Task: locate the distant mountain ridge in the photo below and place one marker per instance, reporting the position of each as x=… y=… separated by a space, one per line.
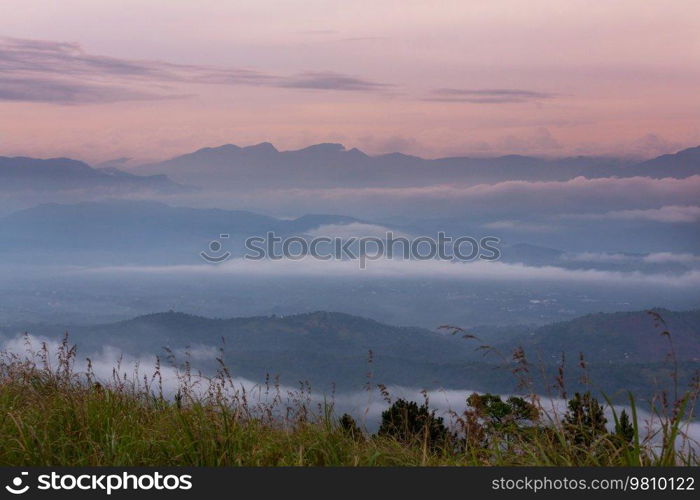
x=329 y=347
x=133 y=231
x=330 y=164
x=56 y=174
x=138 y=231
x=686 y=160
x=620 y=337
x=319 y=165
x=632 y=336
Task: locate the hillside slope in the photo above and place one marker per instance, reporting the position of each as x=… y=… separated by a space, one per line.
x=624 y=350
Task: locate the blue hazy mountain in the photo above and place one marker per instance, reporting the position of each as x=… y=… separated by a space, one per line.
x=624 y=350
x=681 y=164
x=57 y=174
x=334 y=165
x=127 y=231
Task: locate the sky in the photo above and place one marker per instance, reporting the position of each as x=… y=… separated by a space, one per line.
x=151 y=79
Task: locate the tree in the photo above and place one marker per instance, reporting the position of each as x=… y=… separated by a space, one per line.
x=407 y=422
x=584 y=422
x=488 y=415
x=624 y=429
x=498 y=413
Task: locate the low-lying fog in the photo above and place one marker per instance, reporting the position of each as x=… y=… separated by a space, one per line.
x=416 y=293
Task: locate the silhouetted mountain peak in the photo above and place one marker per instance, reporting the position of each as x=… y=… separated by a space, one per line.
x=681 y=164
x=57 y=174
x=326 y=147
x=223 y=148
x=263 y=147
x=358 y=153
x=36 y=164
x=687 y=154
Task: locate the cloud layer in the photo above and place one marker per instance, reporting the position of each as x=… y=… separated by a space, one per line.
x=63 y=73
x=488 y=96
x=621 y=198
x=479 y=271
x=668 y=213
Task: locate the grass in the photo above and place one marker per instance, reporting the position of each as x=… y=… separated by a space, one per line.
x=58 y=415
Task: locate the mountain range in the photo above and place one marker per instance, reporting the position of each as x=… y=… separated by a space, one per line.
x=327 y=165
x=621 y=349
x=321 y=165
x=116 y=231
x=123 y=231
x=56 y=174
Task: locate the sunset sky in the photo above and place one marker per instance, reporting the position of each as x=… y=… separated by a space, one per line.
x=153 y=79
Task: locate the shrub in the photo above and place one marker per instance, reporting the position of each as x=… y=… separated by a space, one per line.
x=350 y=428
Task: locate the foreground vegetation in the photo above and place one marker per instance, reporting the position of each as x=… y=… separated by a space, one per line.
x=52 y=413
